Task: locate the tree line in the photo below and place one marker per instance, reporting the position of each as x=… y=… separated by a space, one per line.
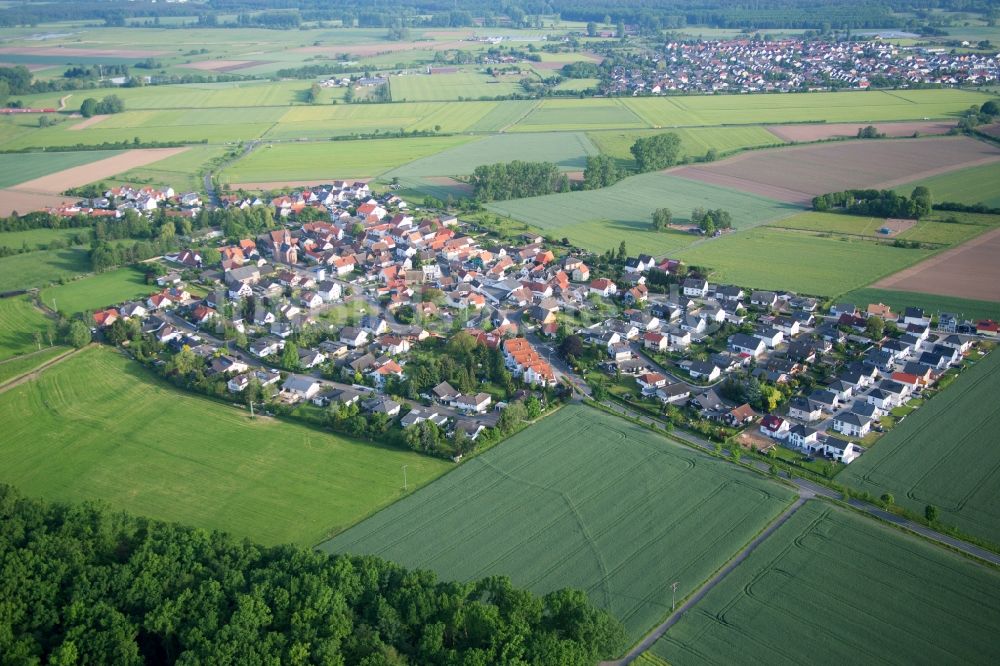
x=84 y=584
x=516 y=180
x=878 y=203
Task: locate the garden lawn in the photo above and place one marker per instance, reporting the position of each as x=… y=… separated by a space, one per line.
x=582 y=499
x=17 y=168
x=98 y=426
x=36 y=269
x=332 y=159
x=767 y=258
x=894 y=598
x=978 y=185
x=600 y=219
x=98 y=291
x=19 y=320
x=944 y=454
x=931 y=303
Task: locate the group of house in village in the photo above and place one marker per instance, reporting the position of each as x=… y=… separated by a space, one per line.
x=116 y=201
x=757 y=65
x=370 y=255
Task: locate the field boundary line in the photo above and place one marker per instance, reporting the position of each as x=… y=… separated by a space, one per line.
x=521 y=117
x=647 y=642
x=14 y=382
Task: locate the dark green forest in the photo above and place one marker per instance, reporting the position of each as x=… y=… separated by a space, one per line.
x=82 y=584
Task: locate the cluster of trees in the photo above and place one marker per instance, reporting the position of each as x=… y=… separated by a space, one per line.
x=95 y=71
x=601 y=171
x=711 y=220
x=978 y=115
x=109 y=104
x=870 y=132
x=662 y=217
x=760 y=395
x=878 y=203
x=656 y=152
x=462 y=362
x=131 y=590
x=517 y=179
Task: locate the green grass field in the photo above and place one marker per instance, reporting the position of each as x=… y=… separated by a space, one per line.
x=19 y=320
x=464 y=84
x=931 y=230
x=866 y=106
x=36 y=269
x=945 y=454
x=575 y=114
x=900 y=300
x=16 y=169
x=968 y=186
x=19 y=365
x=767 y=258
x=547 y=509
x=332 y=159
x=830 y=587
x=98 y=291
x=600 y=219
x=36 y=239
x=79 y=433
x=695 y=141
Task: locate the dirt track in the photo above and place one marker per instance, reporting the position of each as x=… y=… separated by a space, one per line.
x=28 y=376
x=971 y=270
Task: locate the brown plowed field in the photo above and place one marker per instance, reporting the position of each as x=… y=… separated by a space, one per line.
x=86 y=122
x=821 y=131
x=44 y=192
x=971 y=270
x=798 y=173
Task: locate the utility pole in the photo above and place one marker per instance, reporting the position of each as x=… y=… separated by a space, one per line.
x=673 y=596
x=251 y=409
x=404 y=477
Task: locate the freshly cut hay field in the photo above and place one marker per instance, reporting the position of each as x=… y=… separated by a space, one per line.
x=332 y=159
x=98 y=291
x=79 y=433
x=19 y=320
x=601 y=219
x=839 y=107
x=20 y=167
x=35 y=269
x=970 y=270
x=695 y=141
x=820 y=131
x=945 y=454
x=585 y=500
x=968 y=186
x=451 y=86
x=930 y=303
x=798 y=173
x=768 y=258
x=576 y=114
x=895 y=599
